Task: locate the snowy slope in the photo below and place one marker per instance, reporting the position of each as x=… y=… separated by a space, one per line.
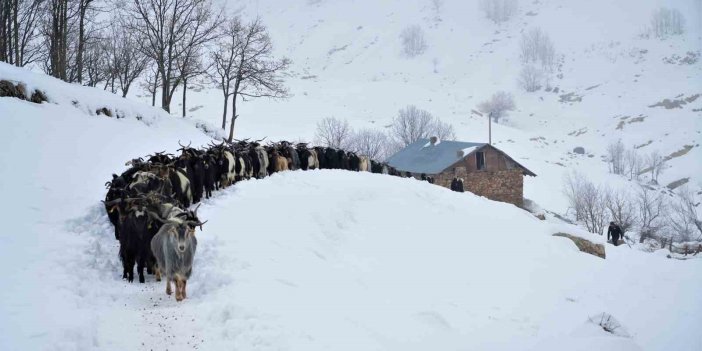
x=55 y=158
x=347 y=64
x=322 y=260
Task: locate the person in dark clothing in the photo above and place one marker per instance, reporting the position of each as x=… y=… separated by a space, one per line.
x=615 y=232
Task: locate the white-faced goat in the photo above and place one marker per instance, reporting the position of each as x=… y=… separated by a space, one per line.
x=174 y=247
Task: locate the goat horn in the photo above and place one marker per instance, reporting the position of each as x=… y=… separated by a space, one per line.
x=196 y=223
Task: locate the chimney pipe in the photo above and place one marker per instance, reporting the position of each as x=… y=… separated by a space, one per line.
x=490 y=128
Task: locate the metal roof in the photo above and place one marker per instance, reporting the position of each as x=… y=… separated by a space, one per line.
x=422 y=157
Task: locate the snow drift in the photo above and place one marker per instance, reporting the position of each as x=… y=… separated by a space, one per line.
x=321 y=260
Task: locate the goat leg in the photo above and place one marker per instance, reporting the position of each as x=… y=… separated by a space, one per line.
x=158 y=273
x=179 y=289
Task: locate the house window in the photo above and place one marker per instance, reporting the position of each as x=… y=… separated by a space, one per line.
x=479 y=161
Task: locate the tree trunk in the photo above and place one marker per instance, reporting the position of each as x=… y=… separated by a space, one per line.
x=224 y=114
x=81 y=41
x=18 y=63
x=185 y=90
x=234 y=117
x=3 y=37
x=165 y=83
x=153 y=92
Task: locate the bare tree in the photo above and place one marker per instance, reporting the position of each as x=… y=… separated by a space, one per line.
x=498 y=105
x=656 y=164
x=127 y=62
x=19 y=32
x=634 y=164
x=56 y=32
x=536 y=47
x=588 y=201
x=224 y=60
x=257 y=72
x=595 y=214
x=412 y=124
x=413 y=42
x=334 y=133
x=370 y=142
x=84 y=6
x=152 y=82
x=97 y=64
x=530 y=78
x=168 y=30
x=621 y=208
x=615 y=156
x=499 y=11
x=651 y=211
x=189 y=68
x=666 y=22
x=683 y=218
x=443 y=130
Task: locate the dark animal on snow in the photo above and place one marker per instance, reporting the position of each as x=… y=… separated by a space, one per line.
x=343 y=160
x=134 y=241
x=321 y=157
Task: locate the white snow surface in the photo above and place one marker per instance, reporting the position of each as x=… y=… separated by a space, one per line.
x=319 y=260
x=347 y=63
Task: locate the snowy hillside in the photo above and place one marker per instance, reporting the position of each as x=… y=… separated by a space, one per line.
x=347 y=63
x=319 y=260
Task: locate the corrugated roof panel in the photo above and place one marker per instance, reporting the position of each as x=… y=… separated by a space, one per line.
x=422 y=157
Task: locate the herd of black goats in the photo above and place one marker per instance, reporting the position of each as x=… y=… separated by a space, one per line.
x=149 y=203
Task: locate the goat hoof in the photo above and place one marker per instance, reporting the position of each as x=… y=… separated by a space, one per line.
x=142 y=280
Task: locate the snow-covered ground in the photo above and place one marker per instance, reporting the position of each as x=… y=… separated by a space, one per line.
x=321 y=260
x=339 y=261
x=347 y=64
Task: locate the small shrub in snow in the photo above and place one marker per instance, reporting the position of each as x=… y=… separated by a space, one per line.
x=536 y=47
x=530 y=78
x=666 y=22
x=498 y=105
x=609 y=324
x=499 y=11
x=579 y=150
x=332 y=132
x=413 y=42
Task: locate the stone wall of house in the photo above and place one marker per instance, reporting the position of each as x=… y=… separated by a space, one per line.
x=503 y=185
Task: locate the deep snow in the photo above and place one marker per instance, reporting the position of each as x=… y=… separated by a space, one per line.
x=305 y=260
x=347 y=63
x=330 y=260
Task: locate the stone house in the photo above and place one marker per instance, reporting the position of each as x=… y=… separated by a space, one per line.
x=485 y=170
